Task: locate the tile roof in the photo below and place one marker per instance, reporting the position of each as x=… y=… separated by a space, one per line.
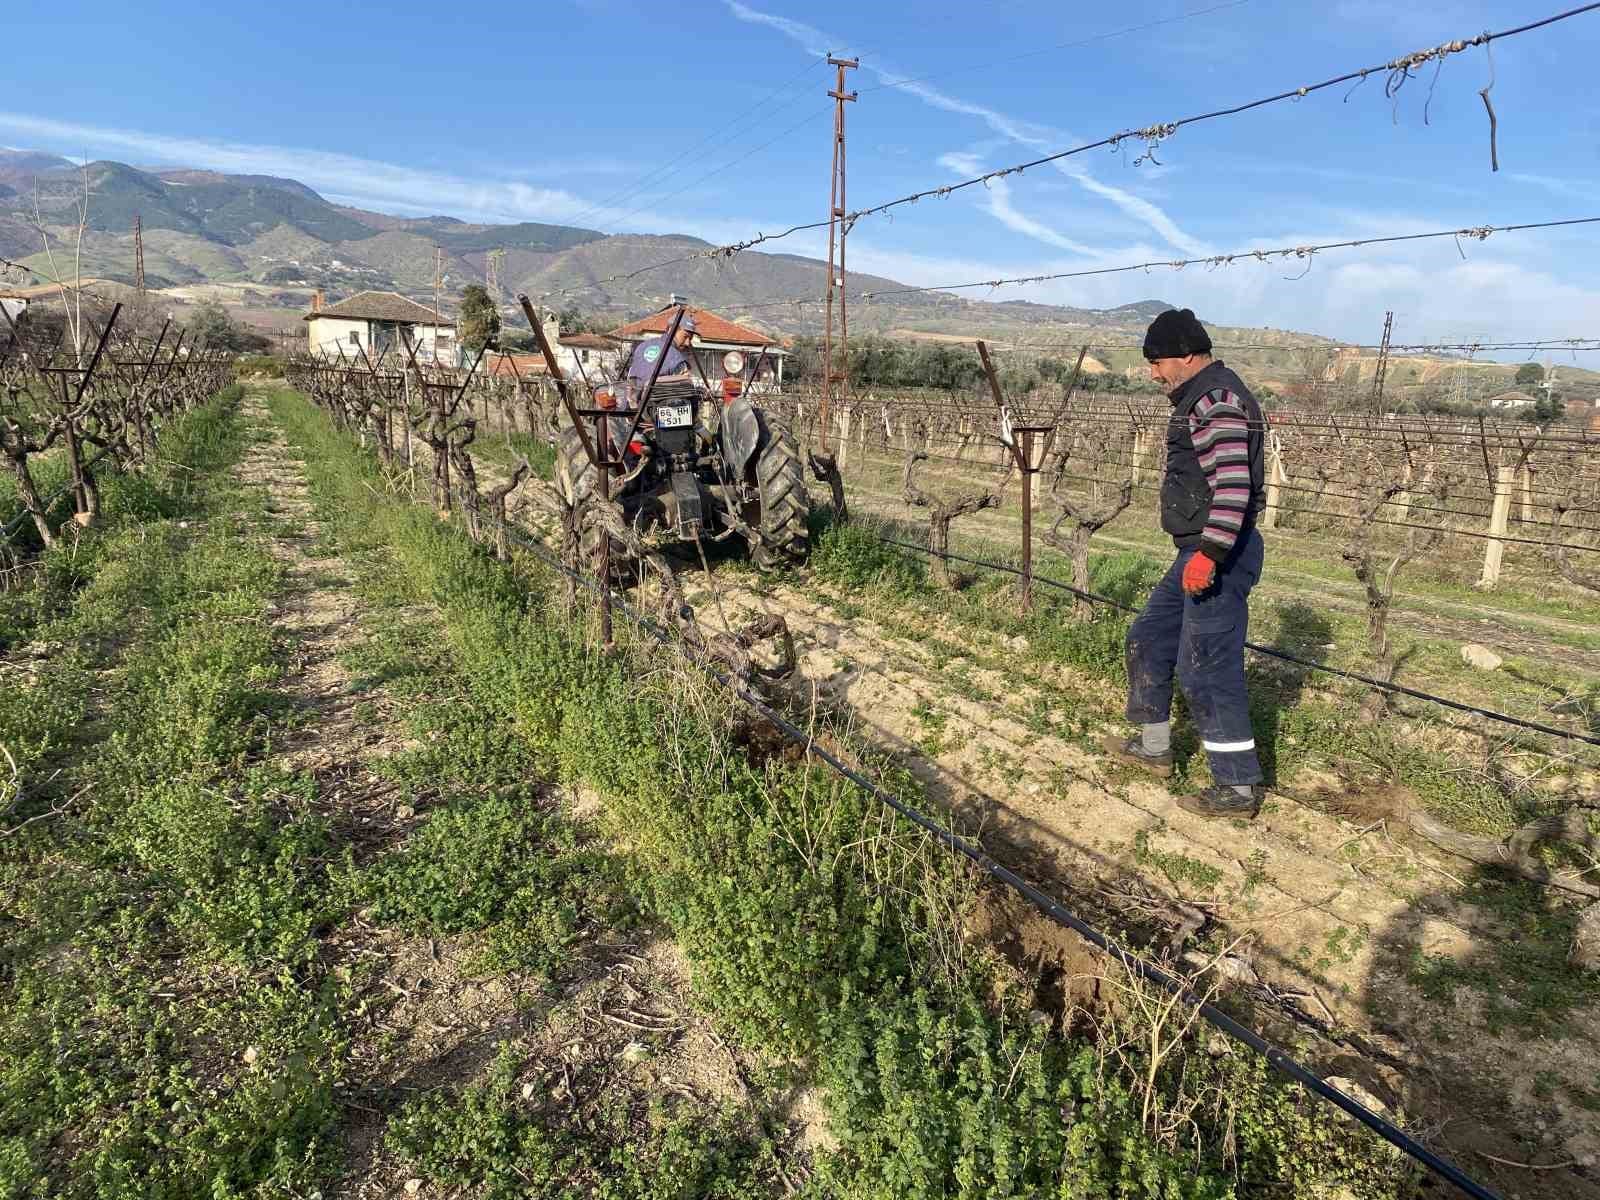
x=381 y=306
x=512 y=366
x=708 y=328
x=589 y=341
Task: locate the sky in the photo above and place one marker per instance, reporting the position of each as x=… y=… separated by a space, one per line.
x=710 y=118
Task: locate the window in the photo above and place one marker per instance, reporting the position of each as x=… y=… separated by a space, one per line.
x=355 y=337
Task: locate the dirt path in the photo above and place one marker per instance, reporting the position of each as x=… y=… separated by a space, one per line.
x=432 y=1019
x=429 y=1019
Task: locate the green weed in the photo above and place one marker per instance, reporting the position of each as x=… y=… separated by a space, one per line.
x=816 y=931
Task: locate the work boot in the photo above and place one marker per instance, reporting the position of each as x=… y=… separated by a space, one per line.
x=1222 y=802
x=1132 y=751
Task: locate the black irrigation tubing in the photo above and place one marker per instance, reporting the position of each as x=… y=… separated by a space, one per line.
x=1046 y=904
x=1356 y=427
x=990 y=441
x=1269 y=651
x=1419 y=437
x=1466 y=495
x=1122 y=458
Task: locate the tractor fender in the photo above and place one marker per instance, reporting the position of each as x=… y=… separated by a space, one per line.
x=742 y=434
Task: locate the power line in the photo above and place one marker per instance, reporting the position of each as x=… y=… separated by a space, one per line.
x=1088 y=41
x=793 y=83
x=1398 y=70
x=806 y=120
x=1477 y=232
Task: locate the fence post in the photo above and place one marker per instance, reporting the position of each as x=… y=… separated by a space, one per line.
x=1504 y=478
x=1276 y=478
x=1527 y=493
x=844 y=433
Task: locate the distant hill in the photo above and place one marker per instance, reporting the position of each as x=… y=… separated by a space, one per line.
x=264 y=243
x=18 y=167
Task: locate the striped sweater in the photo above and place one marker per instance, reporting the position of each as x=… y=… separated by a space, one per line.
x=1221 y=434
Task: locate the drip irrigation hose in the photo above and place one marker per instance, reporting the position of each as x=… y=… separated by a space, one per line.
x=1270 y=652
x=1045 y=904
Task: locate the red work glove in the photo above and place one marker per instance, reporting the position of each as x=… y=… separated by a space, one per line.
x=1198 y=574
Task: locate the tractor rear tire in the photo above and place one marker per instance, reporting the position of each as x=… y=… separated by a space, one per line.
x=575 y=478
x=575 y=484
x=785 y=505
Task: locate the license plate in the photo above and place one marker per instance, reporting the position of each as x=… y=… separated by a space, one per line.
x=674 y=416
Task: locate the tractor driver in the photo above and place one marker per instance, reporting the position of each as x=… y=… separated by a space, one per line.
x=643 y=358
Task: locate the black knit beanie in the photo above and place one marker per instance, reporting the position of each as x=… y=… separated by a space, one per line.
x=1174 y=334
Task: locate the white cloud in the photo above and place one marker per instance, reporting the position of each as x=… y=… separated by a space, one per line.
x=364 y=182
x=1035 y=136
x=996 y=201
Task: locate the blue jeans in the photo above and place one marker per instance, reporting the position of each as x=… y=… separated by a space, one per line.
x=1200 y=640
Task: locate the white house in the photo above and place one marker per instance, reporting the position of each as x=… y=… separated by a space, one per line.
x=1512 y=400
x=589 y=355
x=377 y=321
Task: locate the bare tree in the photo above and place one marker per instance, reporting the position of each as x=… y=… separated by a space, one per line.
x=71 y=296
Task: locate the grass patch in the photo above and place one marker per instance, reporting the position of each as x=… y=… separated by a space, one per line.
x=162 y=913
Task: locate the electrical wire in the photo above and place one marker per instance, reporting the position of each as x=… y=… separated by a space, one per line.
x=1374 y=520
x=722 y=132
x=1478 y=232
x=1397 y=69
x=1059 y=46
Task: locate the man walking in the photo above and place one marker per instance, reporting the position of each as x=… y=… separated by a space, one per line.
x=1193 y=626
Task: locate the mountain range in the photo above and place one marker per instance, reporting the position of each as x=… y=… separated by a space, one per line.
x=270 y=241
x=264 y=244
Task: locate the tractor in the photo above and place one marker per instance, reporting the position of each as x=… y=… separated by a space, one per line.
x=689 y=463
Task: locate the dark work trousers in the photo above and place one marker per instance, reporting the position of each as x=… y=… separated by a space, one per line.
x=1201 y=640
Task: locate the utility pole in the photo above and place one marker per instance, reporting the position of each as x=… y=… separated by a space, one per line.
x=491 y=271
x=837 y=232
x=138 y=255
x=1383 y=364
x=438 y=278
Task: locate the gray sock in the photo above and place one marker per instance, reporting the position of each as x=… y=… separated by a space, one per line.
x=1247 y=790
x=1156 y=737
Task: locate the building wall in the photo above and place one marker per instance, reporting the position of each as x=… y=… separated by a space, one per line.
x=328 y=335
x=580 y=362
